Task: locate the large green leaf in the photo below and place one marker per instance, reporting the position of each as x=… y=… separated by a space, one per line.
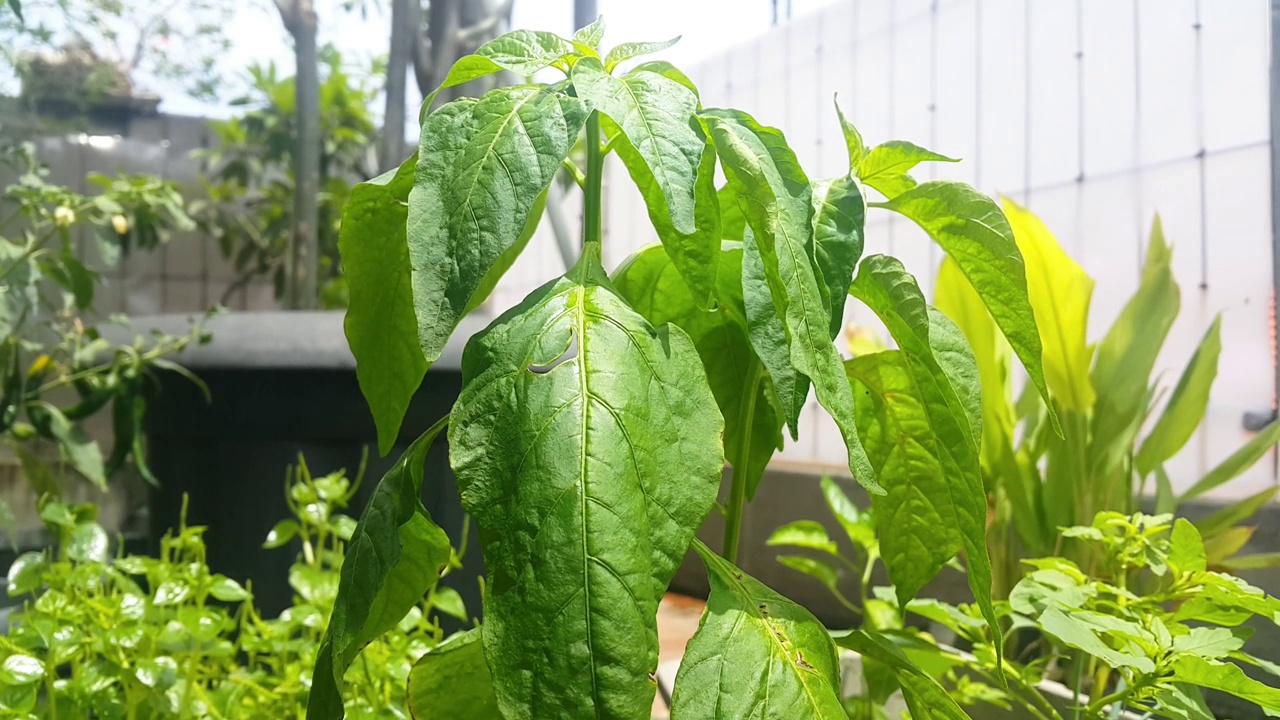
x=380 y=325
x=669 y=161
x=885 y=167
x=1078 y=635
x=1060 y=294
x=452 y=682
x=482 y=165
x=1225 y=677
x=925 y=407
x=395 y=555
x=756 y=654
x=839 y=220
x=1127 y=355
x=587 y=447
x=650 y=284
x=971 y=229
x=1187 y=404
x=776 y=200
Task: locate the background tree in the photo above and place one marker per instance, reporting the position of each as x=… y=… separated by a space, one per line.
x=300 y=20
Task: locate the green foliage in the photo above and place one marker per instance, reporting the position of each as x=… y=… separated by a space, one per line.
x=1144 y=630
x=595 y=416
x=1103 y=461
x=49 y=339
x=248 y=206
x=748 y=632
x=128 y=636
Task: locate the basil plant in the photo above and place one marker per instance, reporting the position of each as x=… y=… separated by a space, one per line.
x=596 y=416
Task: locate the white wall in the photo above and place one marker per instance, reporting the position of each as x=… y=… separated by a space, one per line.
x=1095 y=113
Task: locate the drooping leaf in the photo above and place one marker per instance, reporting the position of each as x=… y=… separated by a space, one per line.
x=858 y=525
x=1186 y=406
x=768 y=336
x=1060 y=293
x=1239 y=461
x=669 y=161
x=650 y=284
x=452 y=682
x=16 y=7
x=926 y=699
x=626 y=51
x=394 y=557
x=587 y=448
x=924 y=403
x=839 y=220
x=81 y=450
x=928 y=467
x=1225 y=677
x=756 y=654
x=885 y=167
x=777 y=202
x=380 y=325
x=971 y=229
x=1236 y=512
x=1127 y=355
x=482 y=165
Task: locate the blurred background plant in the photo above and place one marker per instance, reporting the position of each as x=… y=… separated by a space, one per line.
x=250 y=190
x=1116 y=436
x=128 y=636
x=1144 y=629
x=56 y=368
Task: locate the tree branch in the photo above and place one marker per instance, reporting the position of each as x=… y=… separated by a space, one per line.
x=477 y=32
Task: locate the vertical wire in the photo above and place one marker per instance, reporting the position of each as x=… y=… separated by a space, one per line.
x=893 y=114
x=1198 y=89
x=977 y=94
x=933 y=120
x=1026 y=136
x=1140 y=220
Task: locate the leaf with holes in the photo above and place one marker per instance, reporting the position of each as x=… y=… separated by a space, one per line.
x=587 y=449
x=482 y=166
x=777 y=202
x=756 y=654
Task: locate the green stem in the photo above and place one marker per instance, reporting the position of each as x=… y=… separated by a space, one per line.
x=1097 y=706
x=738 y=480
x=593 y=202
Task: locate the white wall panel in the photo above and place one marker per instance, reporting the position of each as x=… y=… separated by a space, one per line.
x=1110 y=87
x=1167 y=69
x=1235 y=57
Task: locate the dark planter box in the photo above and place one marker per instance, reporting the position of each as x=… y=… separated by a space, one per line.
x=283 y=384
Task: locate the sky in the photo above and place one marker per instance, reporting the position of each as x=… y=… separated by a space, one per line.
x=706 y=26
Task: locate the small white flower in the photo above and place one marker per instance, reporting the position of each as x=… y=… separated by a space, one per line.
x=64 y=216
x=120 y=224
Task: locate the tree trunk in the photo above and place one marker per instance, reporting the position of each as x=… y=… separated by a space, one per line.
x=300 y=293
x=403 y=27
